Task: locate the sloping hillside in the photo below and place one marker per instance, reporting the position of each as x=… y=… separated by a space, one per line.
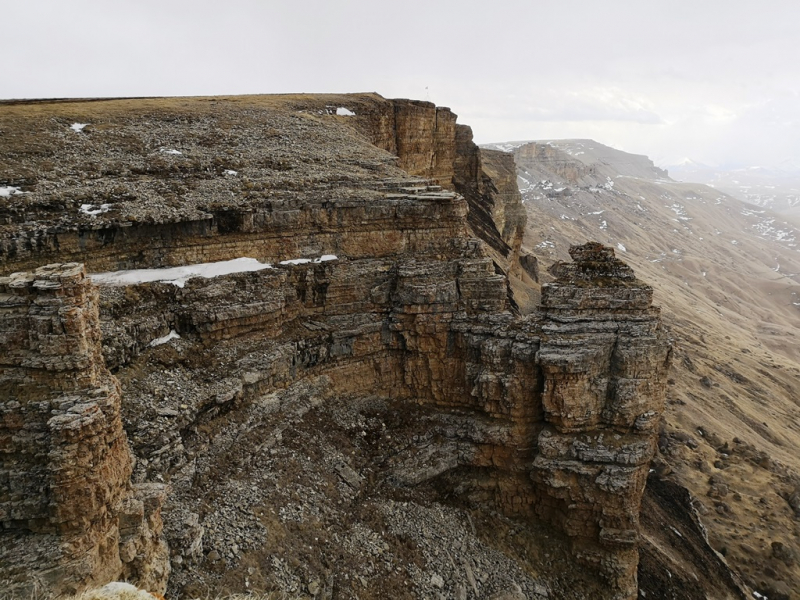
x=777 y=189
x=727 y=275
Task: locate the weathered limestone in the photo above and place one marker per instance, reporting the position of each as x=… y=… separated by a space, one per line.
x=550 y=417
x=69 y=516
x=568 y=397
x=604 y=368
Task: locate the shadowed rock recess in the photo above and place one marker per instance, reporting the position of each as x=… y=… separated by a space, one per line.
x=307 y=420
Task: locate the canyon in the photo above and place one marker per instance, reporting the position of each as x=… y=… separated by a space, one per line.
x=391 y=405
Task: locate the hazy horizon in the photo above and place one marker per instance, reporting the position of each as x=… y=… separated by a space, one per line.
x=717 y=82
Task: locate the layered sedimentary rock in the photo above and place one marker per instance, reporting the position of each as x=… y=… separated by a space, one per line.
x=70 y=517
x=604 y=368
x=548 y=417
x=558 y=409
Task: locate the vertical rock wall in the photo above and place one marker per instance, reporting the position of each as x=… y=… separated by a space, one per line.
x=429 y=143
x=604 y=361
x=66 y=502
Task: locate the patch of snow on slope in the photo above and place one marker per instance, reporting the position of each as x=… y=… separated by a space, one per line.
x=749 y=213
x=78 y=127
x=679 y=210
x=621 y=247
x=766 y=229
x=305 y=261
x=89 y=209
x=343 y=112
x=170 y=151
x=172 y=335
x=9 y=190
x=179 y=275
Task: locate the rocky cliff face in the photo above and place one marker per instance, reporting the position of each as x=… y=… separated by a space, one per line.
x=324 y=408
x=70 y=515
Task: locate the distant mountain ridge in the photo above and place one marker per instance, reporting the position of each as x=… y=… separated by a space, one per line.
x=776 y=188
x=606 y=161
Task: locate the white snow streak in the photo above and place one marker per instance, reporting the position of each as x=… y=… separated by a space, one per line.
x=89 y=209
x=9 y=190
x=179 y=275
x=305 y=261
x=172 y=335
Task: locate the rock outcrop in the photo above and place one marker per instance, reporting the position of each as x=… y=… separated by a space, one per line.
x=70 y=515
x=548 y=417
x=604 y=366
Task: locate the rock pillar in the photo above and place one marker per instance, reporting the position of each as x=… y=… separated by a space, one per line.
x=604 y=360
x=65 y=464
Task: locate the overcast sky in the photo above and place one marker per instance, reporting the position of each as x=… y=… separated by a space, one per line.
x=717 y=81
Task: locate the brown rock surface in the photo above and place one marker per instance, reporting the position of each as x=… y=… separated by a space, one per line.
x=65 y=499
x=329 y=425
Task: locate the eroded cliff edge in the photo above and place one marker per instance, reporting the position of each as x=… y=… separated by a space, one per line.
x=396 y=375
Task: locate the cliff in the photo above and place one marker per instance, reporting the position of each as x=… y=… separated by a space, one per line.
x=364 y=403
x=71 y=517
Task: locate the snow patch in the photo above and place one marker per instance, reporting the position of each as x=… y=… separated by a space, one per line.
x=305 y=261
x=749 y=213
x=679 y=210
x=621 y=247
x=170 y=151
x=9 y=190
x=179 y=275
x=172 y=335
x=343 y=112
x=78 y=127
x=89 y=209
x=230 y=172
